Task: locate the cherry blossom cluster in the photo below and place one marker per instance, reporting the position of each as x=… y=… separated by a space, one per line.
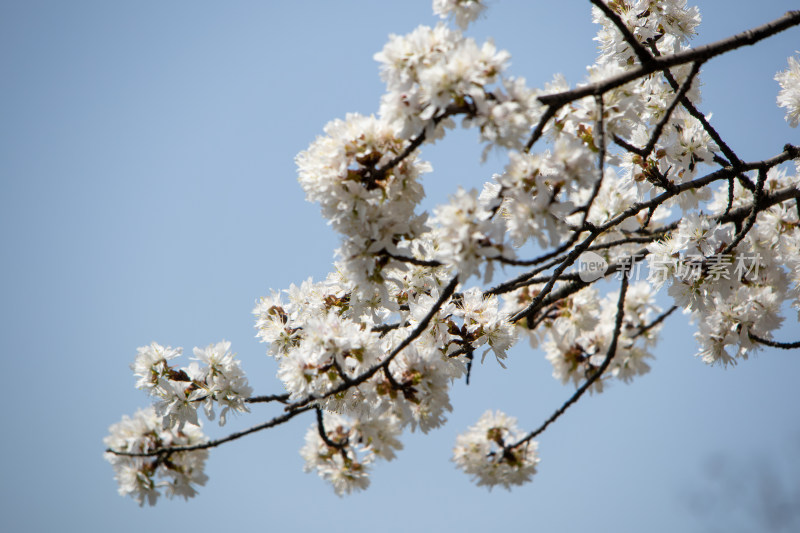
x=488 y=451
x=789 y=95
x=214 y=379
x=324 y=349
x=627 y=168
x=579 y=330
x=341 y=451
x=667 y=25
x=143 y=477
x=731 y=307
x=434 y=73
x=464 y=11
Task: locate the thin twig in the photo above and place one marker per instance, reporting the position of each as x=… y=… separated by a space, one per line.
x=612 y=350
x=601 y=158
x=751 y=218
x=701 y=53
x=539 y=129
x=679 y=97
x=692 y=109
x=663 y=316
x=630 y=38
x=415 y=143
x=213 y=443
x=775 y=344
x=324 y=434
x=411 y=260
x=269 y=398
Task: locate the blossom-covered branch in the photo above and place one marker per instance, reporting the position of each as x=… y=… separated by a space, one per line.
x=632 y=182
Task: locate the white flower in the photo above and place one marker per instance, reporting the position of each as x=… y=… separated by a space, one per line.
x=464 y=11
x=468 y=235
x=576 y=353
x=225 y=382
x=486 y=452
x=332 y=345
x=142 y=478
x=686 y=143
x=424 y=377
x=484 y=324
x=150 y=365
x=789 y=95
x=669 y=23
x=728 y=322
x=430 y=69
x=532 y=207
x=380 y=434
x=272 y=323
x=345 y=468
x=178 y=404
x=339 y=171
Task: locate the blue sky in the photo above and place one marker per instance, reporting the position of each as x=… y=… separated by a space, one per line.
x=149 y=190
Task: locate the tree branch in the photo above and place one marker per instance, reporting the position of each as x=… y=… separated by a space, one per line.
x=361 y=378
x=702 y=53
x=324 y=434
x=612 y=350
x=630 y=38
x=775 y=344
x=268 y=398
x=213 y=443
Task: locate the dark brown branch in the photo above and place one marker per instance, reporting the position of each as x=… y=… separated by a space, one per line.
x=303 y=406
x=701 y=53
x=646 y=58
x=571 y=257
x=383 y=328
x=213 y=443
x=775 y=344
x=692 y=109
x=628 y=146
x=324 y=434
x=790 y=152
x=751 y=218
x=663 y=316
x=340 y=371
x=735 y=215
x=545 y=257
x=390 y=378
x=416 y=142
x=630 y=38
x=411 y=260
x=268 y=398
x=679 y=97
x=612 y=350
x=601 y=158
x=627 y=213
x=539 y=129
x=631 y=240
x=688 y=105
x=767 y=201
x=523 y=279
x=730 y=196
x=461 y=351
x=626 y=262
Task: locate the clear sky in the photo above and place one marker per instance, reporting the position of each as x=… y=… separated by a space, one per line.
x=149 y=194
